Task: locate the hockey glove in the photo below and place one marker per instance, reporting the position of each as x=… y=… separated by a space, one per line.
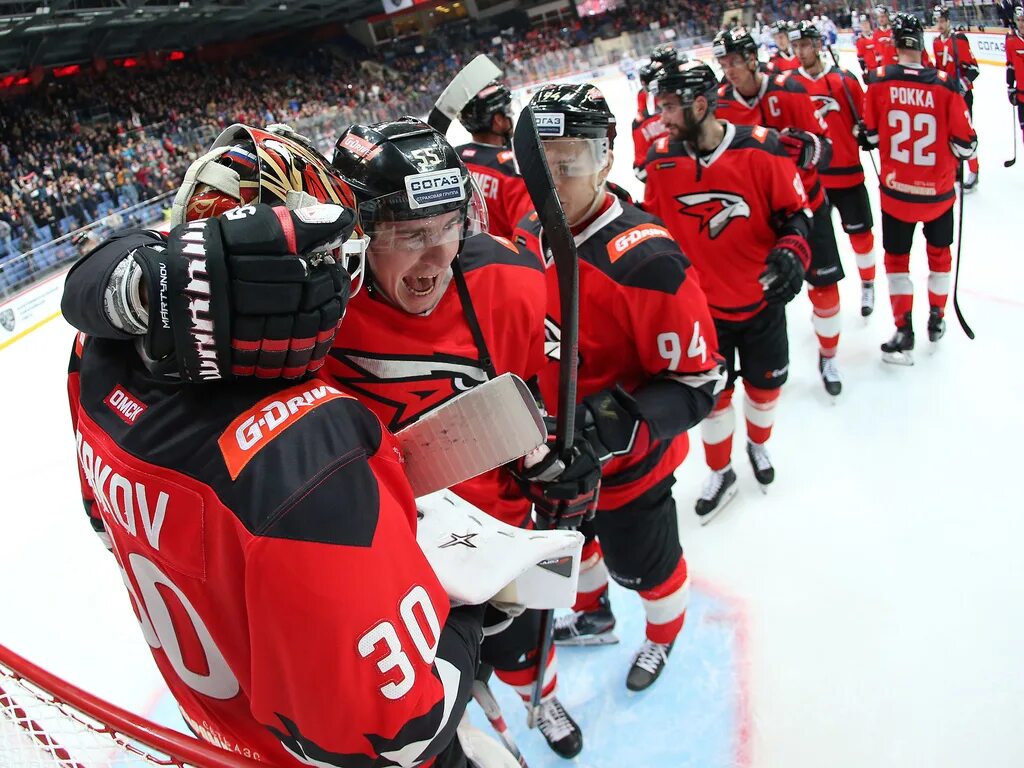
x=862 y=138
x=784 y=273
x=1011 y=94
x=610 y=422
x=254 y=292
x=803 y=147
x=564 y=493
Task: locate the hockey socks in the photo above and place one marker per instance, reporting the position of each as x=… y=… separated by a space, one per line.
x=665 y=605
x=759 y=409
x=523 y=679
x=716 y=432
x=901 y=288
x=864 y=247
x=825 y=317
x=593 y=582
x=940 y=261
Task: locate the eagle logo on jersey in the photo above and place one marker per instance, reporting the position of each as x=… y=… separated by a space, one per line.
x=552 y=339
x=825 y=104
x=408 y=386
x=714 y=209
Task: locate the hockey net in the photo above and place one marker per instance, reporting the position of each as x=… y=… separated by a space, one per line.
x=47 y=722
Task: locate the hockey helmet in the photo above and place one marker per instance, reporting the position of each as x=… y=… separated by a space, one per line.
x=647 y=73
x=940 y=12
x=805 y=30
x=578 y=113
x=403 y=169
x=688 y=81
x=735 y=40
x=907 y=32
x=479 y=111
x=664 y=53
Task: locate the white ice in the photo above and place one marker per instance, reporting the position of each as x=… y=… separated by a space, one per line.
x=879 y=583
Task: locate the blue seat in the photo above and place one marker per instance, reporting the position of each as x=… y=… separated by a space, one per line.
x=45 y=233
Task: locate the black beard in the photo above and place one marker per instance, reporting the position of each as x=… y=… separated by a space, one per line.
x=690 y=130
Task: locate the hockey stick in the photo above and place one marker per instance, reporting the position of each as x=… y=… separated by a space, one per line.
x=470 y=80
x=483 y=428
x=484 y=697
x=1013 y=125
x=960 y=207
x=853 y=110
x=534 y=168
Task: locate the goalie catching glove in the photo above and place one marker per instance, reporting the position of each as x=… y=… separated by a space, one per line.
x=258 y=291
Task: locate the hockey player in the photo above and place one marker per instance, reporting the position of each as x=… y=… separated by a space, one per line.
x=867 y=50
x=750 y=97
x=832 y=90
x=883 y=36
x=919 y=121
x=733 y=198
x=648 y=371
x=1015 y=64
x=947 y=59
x=229 y=510
x=783 y=59
x=488 y=118
x=647 y=124
x=446 y=308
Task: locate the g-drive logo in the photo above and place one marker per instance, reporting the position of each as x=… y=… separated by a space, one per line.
x=434 y=188
x=550 y=124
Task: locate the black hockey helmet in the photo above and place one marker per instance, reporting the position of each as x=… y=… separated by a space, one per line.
x=573 y=111
x=688 y=81
x=404 y=169
x=664 y=53
x=907 y=32
x=805 y=30
x=646 y=73
x=782 y=27
x=478 y=113
x=735 y=40
x=940 y=12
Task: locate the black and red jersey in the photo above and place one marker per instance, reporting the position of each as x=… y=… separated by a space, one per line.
x=503 y=189
x=782 y=102
x=729 y=212
x=946 y=59
x=267 y=538
x=867 y=53
x=644 y=325
x=782 y=61
x=920 y=123
x=402 y=366
x=1015 y=63
x=647 y=127
x=832 y=101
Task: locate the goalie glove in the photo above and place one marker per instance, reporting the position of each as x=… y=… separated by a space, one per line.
x=257 y=291
x=803 y=147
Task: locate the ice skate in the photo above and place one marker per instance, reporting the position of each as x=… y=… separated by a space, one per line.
x=587 y=627
x=936 y=325
x=648 y=663
x=830 y=375
x=719 y=490
x=761 y=463
x=900 y=348
x=560 y=731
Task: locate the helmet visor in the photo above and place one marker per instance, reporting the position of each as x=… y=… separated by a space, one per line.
x=576 y=157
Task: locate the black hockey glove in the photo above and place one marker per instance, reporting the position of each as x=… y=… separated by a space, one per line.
x=1011 y=94
x=253 y=292
x=784 y=272
x=803 y=147
x=564 y=494
x=862 y=138
x=609 y=421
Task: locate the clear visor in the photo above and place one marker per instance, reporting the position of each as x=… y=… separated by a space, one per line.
x=576 y=157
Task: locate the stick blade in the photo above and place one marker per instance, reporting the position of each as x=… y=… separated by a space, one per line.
x=483 y=428
x=470 y=80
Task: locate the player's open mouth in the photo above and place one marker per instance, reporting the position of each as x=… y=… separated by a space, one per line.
x=420 y=286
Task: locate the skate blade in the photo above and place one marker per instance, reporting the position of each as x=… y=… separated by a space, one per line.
x=581 y=641
x=764 y=488
x=898 y=358
x=730 y=493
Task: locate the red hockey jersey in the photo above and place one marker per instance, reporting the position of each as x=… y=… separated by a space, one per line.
x=266 y=536
x=946 y=61
x=782 y=102
x=783 y=61
x=920 y=123
x=643 y=318
x=647 y=127
x=1015 y=64
x=402 y=366
x=832 y=101
x=503 y=189
x=730 y=213
x=867 y=53
x=886 y=50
